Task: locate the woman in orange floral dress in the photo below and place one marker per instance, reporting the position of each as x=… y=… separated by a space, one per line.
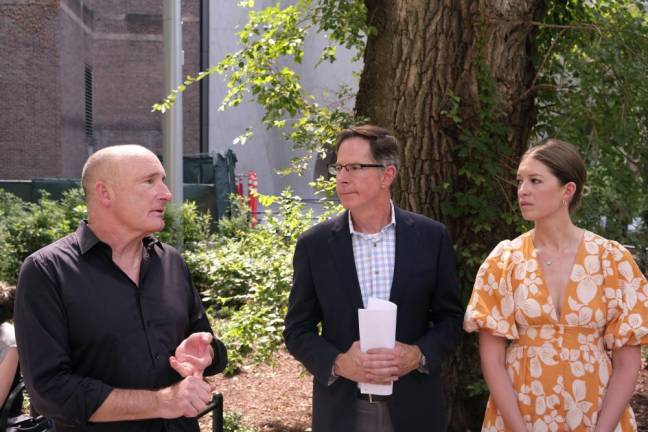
x=573 y=306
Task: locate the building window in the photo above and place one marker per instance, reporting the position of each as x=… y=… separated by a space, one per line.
x=89 y=95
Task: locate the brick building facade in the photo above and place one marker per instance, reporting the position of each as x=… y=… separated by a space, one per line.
x=79 y=75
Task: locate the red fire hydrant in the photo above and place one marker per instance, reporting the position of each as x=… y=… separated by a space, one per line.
x=253 y=199
x=239 y=187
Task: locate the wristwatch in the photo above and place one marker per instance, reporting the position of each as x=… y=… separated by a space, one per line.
x=422 y=367
x=333 y=377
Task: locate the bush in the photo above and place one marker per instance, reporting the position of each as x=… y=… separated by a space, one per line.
x=26 y=227
x=246 y=279
x=232 y=423
x=185 y=226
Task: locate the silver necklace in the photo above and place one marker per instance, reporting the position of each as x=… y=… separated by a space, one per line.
x=547 y=261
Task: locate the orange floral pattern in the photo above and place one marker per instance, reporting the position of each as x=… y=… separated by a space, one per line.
x=560 y=366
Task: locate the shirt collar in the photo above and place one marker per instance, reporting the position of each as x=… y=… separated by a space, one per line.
x=390 y=224
x=87 y=239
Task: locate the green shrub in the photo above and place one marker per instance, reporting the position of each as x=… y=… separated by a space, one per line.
x=232 y=423
x=26 y=227
x=11 y=210
x=246 y=279
x=238 y=222
x=185 y=226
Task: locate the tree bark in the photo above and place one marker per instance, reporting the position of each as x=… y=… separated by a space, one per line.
x=424 y=54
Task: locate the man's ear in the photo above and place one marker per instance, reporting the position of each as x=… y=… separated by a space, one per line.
x=389 y=176
x=103 y=193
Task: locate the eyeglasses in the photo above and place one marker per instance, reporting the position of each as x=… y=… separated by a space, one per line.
x=352 y=168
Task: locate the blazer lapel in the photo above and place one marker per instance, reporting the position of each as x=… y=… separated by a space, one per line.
x=342 y=251
x=406 y=246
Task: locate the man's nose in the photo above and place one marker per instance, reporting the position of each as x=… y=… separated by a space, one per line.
x=342 y=176
x=165 y=193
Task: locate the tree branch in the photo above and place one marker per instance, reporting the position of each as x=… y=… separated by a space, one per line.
x=546 y=57
x=531 y=91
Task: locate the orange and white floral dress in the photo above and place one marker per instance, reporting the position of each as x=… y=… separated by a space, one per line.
x=560 y=366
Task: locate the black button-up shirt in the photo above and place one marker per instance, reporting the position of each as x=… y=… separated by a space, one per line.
x=83 y=328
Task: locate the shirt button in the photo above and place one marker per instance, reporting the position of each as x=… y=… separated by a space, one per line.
x=157 y=356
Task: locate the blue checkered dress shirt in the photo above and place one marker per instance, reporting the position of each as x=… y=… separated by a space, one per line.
x=374 y=256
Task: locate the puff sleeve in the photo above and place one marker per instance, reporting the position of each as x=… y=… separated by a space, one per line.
x=491 y=306
x=626 y=293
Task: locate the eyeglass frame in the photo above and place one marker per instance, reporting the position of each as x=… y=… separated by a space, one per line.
x=351 y=167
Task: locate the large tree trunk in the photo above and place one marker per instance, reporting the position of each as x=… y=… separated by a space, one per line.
x=427 y=57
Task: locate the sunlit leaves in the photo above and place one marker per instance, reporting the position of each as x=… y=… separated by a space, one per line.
x=272 y=42
x=246 y=274
x=600 y=103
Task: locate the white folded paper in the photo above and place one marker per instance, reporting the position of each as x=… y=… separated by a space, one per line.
x=377 y=330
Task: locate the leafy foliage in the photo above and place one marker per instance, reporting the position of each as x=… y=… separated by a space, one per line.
x=185 y=226
x=26 y=227
x=325 y=188
x=485 y=169
x=591 y=60
x=246 y=278
x=594 y=66
x=271 y=41
x=232 y=422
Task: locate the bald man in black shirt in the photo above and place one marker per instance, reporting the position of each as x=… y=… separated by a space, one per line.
x=111 y=332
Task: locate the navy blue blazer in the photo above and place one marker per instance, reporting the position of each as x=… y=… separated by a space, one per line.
x=326 y=290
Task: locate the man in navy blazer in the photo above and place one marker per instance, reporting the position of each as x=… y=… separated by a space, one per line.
x=373 y=249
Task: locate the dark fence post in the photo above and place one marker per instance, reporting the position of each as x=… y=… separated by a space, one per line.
x=217 y=413
x=216 y=408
